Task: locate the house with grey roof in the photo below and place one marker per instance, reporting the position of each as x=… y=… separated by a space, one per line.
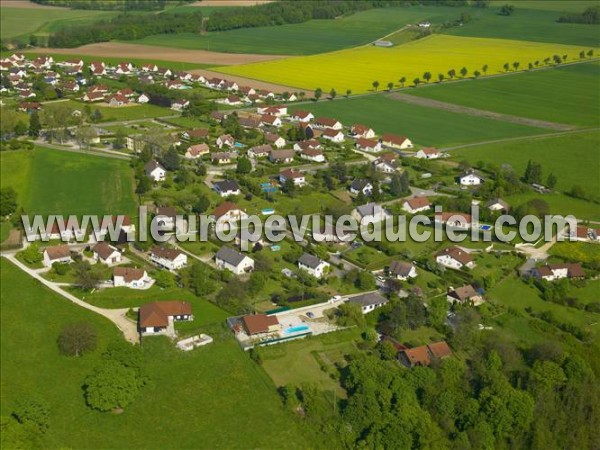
x=313 y=265
x=369 y=301
x=226 y=188
x=229 y=259
x=370 y=213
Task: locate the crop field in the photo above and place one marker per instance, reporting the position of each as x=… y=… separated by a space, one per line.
x=423 y=125
x=245 y=409
x=358 y=68
x=315 y=36
x=562 y=156
x=56 y=182
x=574 y=98
x=19 y=22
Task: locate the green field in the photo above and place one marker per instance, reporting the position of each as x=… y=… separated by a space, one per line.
x=214 y=397
x=573 y=158
x=566 y=94
x=559 y=204
x=57 y=182
x=21 y=22
x=315 y=36
x=423 y=125
x=537 y=24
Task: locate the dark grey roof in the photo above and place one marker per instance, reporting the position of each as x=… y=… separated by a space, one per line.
x=370 y=209
x=226 y=186
x=230 y=256
x=151 y=165
x=401 y=268
x=359 y=184
x=372 y=298
x=309 y=260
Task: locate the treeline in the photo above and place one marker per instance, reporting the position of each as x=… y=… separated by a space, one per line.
x=590 y=16
x=287 y=12
x=126 y=27
x=120 y=5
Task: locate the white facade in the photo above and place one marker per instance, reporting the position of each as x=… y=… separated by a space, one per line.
x=246 y=265
x=451 y=263
x=119 y=281
x=48 y=262
x=316 y=272
x=179 y=262
x=158 y=174
x=470 y=180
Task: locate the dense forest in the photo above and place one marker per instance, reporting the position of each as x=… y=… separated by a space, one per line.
x=492 y=394
x=127 y=27
x=125 y=5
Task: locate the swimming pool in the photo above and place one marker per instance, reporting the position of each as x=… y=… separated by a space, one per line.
x=296 y=329
x=486 y=227
x=239 y=145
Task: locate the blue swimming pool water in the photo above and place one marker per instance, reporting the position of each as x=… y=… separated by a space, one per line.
x=239 y=145
x=486 y=227
x=296 y=329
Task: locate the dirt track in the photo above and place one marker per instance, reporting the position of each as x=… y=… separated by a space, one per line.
x=421 y=101
x=242 y=81
x=117 y=49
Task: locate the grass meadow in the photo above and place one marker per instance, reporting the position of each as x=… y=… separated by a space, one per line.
x=57 y=182
x=566 y=94
x=561 y=155
x=216 y=394
x=358 y=68
x=559 y=204
x=423 y=125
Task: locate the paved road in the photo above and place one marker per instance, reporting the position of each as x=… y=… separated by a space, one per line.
x=97 y=152
x=116 y=316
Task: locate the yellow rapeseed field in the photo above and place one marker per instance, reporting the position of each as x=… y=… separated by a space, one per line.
x=357 y=68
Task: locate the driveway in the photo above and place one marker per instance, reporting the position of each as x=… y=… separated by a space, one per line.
x=116 y=316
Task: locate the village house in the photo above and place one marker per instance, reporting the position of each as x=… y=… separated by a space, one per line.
x=131 y=278
x=29 y=106
x=313 y=155
x=469 y=178
x=93 y=97
x=457 y=220
x=497 y=205
x=363 y=186
x=143 y=98
x=234 y=261
x=226 y=188
x=387 y=164
x=313 y=265
x=454 y=258
x=428 y=153
x=325 y=123
x=256 y=324
x=169 y=258
x=424 y=355
x=369 y=302
x=231 y=100
x=312 y=144
x=270 y=121
x=196 y=134
x=166 y=217
x=57 y=254
x=228 y=212
x=196 y=151
x=370 y=213
x=414 y=205
x=368 y=145
x=149 y=67
x=395 y=141
x=333 y=135
x=584 y=233
x=552 y=272
x=126 y=93
x=179 y=105
x=155 y=170
x=362 y=131
x=465 y=295
x=275 y=140
x=107 y=254
x=158 y=317
x=222 y=157
x=272 y=110
x=302 y=116
x=260 y=151
x=402 y=270
x=117 y=100
x=124 y=69
x=297 y=177
x=250 y=122
x=225 y=140
x=282 y=156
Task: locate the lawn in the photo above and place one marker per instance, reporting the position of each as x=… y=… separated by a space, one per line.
x=423 y=125
x=357 y=68
x=20 y=23
x=559 y=204
x=566 y=94
x=583 y=252
x=223 y=398
x=515 y=293
x=133 y=112
x=573 y=158
x=56 y=182
x=314 y=36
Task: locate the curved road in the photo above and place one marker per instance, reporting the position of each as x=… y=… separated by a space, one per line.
x=116 y=316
